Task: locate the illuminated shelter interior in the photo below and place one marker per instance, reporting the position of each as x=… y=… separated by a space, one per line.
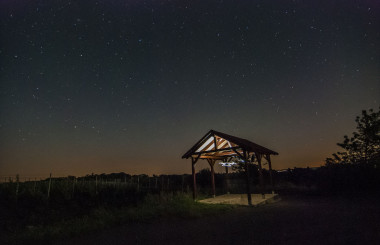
x=216 y=146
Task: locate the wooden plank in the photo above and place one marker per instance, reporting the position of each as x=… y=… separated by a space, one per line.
x=194 y=181
x=215 y=144
x=219 y=150
x=238 y=153
x=193 y=161
x=221 y=143
x=200 y=142
x=211 y=145
x=205 y=144
x=212 y=157
x=211 y=162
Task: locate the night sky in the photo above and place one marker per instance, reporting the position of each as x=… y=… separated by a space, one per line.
x=129 y=86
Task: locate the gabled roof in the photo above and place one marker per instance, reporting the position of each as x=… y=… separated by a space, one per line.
x=217 y=144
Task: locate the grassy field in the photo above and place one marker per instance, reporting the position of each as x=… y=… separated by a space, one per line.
x=297 y=219
x=63 y=210
x=152 y=207
x=33 y=212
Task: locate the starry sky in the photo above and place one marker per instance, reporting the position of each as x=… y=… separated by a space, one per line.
x=109 y=86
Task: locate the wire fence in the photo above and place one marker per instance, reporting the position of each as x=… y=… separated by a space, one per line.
x=93 y=184
x=96 y=184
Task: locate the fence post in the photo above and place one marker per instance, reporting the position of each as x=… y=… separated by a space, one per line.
x=34 y=187
x=74 y=180
x=17 y=184
x=183 y=178
x=96 y=185
x=48 y=194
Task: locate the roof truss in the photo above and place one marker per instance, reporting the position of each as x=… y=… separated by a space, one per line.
x=216 y=145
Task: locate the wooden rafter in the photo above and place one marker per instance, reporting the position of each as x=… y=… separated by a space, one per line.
x=205 y=144
x=212 y=157
x=220 y=150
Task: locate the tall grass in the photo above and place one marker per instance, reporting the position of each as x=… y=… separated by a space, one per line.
x=44 y=210
x=152 y=206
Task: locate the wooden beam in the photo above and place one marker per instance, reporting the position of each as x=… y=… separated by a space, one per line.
x=222 y=143
x=211 y=162
x=227 y=181
x=205 y=144
x=267 y=157
x=212 y=157
x=222 y=153
x=238 y=153
x=193 y=162
x=229 y=153
x=219 y=150
x=211 y=145
x=197 y=145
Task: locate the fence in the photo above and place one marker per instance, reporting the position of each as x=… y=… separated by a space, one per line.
x=94 y=183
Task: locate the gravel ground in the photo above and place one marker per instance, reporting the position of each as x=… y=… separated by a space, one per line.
x=294 y=220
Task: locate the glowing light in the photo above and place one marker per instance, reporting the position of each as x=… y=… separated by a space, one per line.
x=227 y=164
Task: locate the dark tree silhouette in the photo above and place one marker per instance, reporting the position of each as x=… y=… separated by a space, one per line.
x=364 y=146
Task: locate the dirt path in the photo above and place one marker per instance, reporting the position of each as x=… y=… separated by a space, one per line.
x=311 y=220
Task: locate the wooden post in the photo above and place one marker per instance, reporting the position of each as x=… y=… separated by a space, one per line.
x=211 y=162
x=183 y=180
x=258 y=156
x=17 y=184
x=96 y=185
x=227 y=180
x=74 y=180
x=48 y=194
x=34 y=186
x=270 y=172
x=193 y=162
x=245 y=158
x=194 y=181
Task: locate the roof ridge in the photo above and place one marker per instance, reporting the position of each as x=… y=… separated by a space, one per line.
x=243 y=143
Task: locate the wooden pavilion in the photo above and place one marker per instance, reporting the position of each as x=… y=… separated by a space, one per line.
x=216 y=146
